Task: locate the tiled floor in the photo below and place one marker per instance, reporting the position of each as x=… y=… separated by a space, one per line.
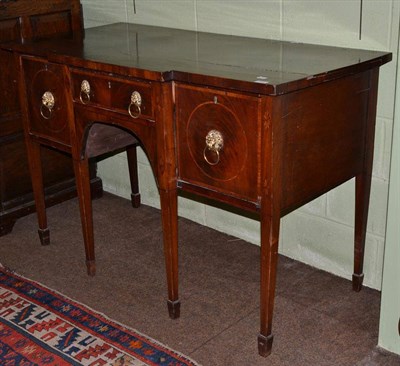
x=318 y=319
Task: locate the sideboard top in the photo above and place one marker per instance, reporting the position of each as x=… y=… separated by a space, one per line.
x=239 y=63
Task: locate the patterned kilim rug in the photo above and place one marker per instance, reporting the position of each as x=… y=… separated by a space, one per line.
x=41 y=327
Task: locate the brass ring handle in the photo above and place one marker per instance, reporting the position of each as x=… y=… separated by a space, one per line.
x=214 y=143
x=84 y=94
x=47 y=105
x=136 y=101
x=208 y=160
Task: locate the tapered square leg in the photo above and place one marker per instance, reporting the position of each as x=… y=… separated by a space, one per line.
x=265 y=345
x=81 y=168
x=268 y=266
x=363 y=186
x=358 y=282
x=44 y=236
x=169 y=213
x=91 y=267
x=174 y=309
x=35 y=168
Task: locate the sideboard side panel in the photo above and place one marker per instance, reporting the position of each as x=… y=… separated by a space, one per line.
x=323 y=132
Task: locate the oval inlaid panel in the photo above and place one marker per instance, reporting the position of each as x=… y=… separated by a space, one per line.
x=215 y=116
x=43 y=81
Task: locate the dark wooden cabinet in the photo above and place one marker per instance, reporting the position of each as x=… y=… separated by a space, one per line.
x=23 y=20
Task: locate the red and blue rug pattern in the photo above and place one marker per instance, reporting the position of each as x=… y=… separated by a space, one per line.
x=41 y=327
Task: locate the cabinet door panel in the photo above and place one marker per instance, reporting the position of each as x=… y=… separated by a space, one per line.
x=206 y=117
x=47 y=25
x=50 y=121
x=9 y=30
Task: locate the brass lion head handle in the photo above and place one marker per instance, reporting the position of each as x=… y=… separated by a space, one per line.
x=214 y=144
x=134 y=106
x=48 y=103
x=84 y=94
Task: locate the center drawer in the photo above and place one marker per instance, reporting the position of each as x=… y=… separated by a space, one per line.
x=129 y=97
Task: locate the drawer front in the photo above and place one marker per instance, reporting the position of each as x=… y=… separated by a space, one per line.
x=113 y=94
x=46 y=92
x=218 y=140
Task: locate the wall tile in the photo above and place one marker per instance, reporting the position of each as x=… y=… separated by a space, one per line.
x=172 y=13
x=147 y=186
x=255 y=18
x=341 y=205
x=378 y=207
x=115 y=175
x=316 y=207
x=383 y=143
x=236 y=225
x=94 y=23
x=328 y=245
x=103 y=12
x=387 y=80
x=192 y=210
x=373 y=276
x=332 y=22
x=386 y=91
x=376 y=24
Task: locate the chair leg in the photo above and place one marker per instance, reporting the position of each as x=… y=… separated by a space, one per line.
x=133 y=175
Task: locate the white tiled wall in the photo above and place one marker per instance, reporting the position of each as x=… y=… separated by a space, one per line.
x=320 y=233
x=255 y=18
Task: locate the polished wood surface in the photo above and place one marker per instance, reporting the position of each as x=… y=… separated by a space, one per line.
x=264 y=126
x=164 y=54
x=27 y=20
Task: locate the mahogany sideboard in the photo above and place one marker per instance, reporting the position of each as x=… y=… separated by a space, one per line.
x=23 y=20
x=264 y=126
